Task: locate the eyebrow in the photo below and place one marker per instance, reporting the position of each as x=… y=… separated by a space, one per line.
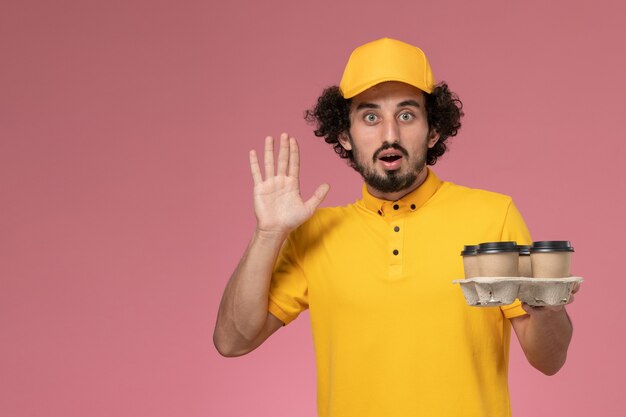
x=404 y=103
x=409 y=103
x=367 y=106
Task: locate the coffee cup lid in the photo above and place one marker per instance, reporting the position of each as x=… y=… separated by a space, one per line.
x=524 y=250
x=552 y=246
x=496 y=247
x=469 y=250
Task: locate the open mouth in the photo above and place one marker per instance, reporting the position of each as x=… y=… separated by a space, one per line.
x=390 y=158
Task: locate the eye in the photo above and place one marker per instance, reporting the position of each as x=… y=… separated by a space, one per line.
x=405 y=117
x=370 y=118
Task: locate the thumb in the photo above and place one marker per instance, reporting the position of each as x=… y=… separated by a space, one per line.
x=317 y=197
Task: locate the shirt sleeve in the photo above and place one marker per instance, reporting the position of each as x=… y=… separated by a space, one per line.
x=288 y=295
x=514 y=229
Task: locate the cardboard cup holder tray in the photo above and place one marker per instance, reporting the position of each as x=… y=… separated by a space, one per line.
x=498 y=291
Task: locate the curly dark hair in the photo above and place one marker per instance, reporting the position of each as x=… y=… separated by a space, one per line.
x=331 y=115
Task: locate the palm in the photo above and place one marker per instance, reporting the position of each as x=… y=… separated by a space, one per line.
x=278 y=205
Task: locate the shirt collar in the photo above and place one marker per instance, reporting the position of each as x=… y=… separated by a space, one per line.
x=410 y=202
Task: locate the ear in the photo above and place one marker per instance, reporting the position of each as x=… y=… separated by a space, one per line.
x=433 y=138
x=344 y=141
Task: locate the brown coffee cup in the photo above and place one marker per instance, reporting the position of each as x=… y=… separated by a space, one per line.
x=551 y=258
x=525 y=266
x=498 y=259
x=470 y=261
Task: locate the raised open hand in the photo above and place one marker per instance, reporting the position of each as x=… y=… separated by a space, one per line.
x=278 y=205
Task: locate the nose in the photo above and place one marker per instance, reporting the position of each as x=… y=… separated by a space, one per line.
x=391 y=131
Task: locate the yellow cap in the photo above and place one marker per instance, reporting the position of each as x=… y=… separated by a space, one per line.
x=386 y=60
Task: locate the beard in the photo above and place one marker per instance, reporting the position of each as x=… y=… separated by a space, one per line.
x=391 y=181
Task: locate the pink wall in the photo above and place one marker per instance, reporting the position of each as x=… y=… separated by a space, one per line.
x=125 y=198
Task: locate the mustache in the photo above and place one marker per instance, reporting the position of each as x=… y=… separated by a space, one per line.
x=388 y=145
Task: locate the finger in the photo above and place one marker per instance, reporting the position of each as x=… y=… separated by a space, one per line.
x=574 y=290
x=541 y=309
x=283 y=155
x=570 y=299
x=255 y=169
x=294 y=158
x=531 y=310
x=317 y=198
x=268 y=157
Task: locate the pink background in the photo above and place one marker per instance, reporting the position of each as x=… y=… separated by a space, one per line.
x=125 y=197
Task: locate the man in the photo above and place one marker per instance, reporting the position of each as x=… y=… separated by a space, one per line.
x=393 y=337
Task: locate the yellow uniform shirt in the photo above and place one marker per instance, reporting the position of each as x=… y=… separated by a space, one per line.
x=393 y=336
